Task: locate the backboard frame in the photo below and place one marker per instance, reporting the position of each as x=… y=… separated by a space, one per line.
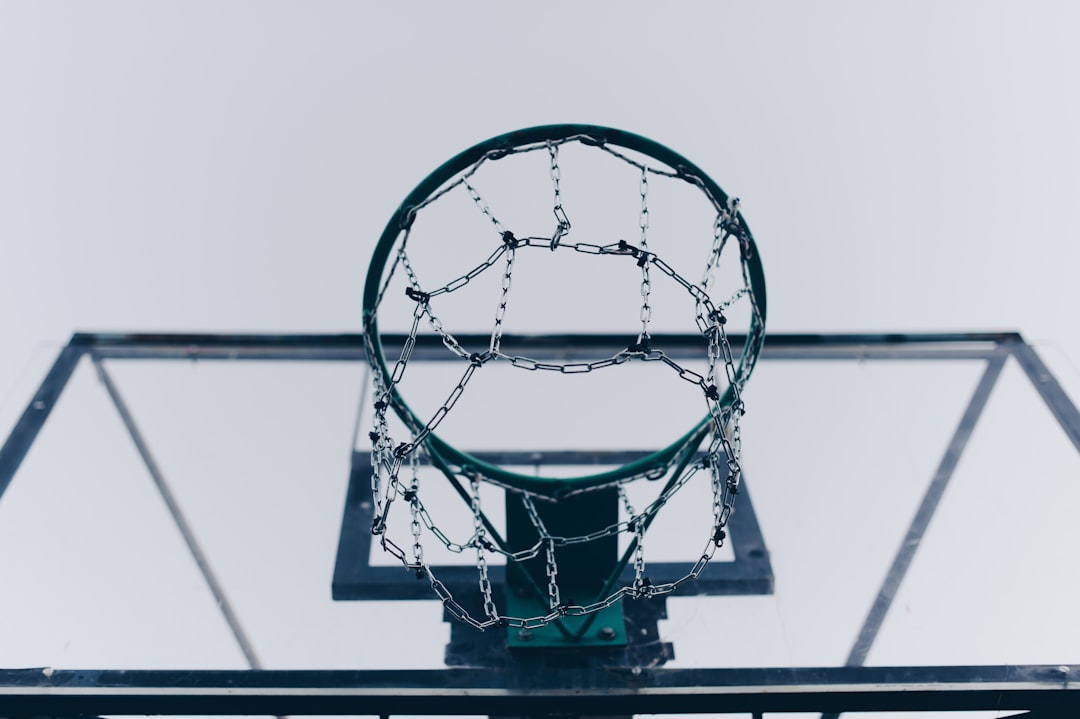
x=1050 y=688
x=1045 y=691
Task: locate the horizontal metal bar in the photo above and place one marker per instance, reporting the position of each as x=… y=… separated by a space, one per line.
x=561 y=457
x=525 y=691
x=350 y=347
x=308 y=347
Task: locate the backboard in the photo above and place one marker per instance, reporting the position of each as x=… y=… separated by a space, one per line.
x=179 y=503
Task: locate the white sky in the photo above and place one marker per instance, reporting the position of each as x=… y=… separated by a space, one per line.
x=204 y=166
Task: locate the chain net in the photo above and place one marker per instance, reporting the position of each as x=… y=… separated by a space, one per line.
x=712 y=450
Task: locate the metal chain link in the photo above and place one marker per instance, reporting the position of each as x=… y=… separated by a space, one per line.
x=643 y=262
x=637 y=526
x=562 y=222
x=482 y=205
x=413 y=498
x=480 y=534
x=552 y=569
x=500 y=312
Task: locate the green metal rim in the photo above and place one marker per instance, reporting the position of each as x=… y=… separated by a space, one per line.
x=444 y=453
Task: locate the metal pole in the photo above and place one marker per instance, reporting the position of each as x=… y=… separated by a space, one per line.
x=173 y=506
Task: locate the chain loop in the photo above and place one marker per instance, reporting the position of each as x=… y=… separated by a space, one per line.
x=646 y=286
x=500 y=313
x=562 y=222
x=721 y=459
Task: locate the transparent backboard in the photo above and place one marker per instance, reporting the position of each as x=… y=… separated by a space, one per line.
x=916 y=502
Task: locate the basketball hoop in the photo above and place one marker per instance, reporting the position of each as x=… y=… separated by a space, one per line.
x=711 y=445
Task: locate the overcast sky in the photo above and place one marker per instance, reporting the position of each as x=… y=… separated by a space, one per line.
x=228 y=166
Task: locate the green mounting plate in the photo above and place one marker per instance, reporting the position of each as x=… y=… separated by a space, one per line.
x=582 y=571
x=605 y=628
